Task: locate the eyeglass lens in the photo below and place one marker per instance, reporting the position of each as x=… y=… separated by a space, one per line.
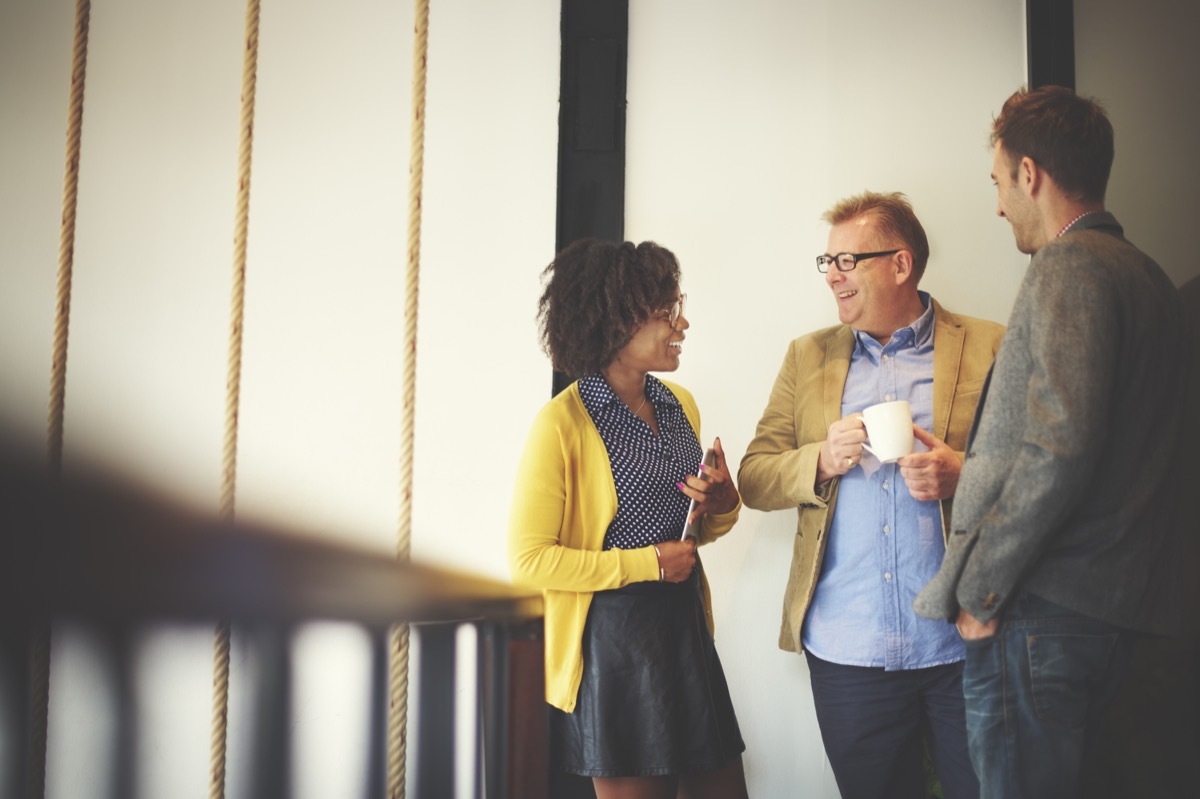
x=843 y=261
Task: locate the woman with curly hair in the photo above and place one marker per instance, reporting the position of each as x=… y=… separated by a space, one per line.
x=639 y=702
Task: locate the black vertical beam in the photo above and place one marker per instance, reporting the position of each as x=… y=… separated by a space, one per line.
x=271 y=764
x=118 y=672
x=1050 y=40
x=16 y=646
x=491 y=673
x=591 y=121
x=591 y=124
x=435 y=710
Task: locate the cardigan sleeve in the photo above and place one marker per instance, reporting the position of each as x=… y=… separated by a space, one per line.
x=560 y=512
x=715 y=525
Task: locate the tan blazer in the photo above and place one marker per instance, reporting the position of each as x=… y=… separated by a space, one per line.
x=779 y=468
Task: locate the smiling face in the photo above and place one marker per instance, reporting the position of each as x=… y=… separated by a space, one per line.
x=656 y=346
x=1014 y=202
x=874 y=297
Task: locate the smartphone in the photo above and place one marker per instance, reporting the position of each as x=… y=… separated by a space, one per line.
x=693 y=529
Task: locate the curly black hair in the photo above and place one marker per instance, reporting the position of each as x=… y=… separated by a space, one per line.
x=597 y=295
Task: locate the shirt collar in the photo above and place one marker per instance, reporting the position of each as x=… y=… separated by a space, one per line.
x=1071 y=224
x=913 y=335
x=598 y=393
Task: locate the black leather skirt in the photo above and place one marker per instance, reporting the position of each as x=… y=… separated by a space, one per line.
x=653 y=699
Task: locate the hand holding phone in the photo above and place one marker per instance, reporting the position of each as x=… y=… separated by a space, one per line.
x=692 y=529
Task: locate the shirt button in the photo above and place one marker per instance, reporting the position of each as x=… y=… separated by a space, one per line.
x=887 y=397
x=885 y=485
x=887 y=528
x=887 y=576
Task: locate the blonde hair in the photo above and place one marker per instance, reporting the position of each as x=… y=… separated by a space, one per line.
x=894 y=219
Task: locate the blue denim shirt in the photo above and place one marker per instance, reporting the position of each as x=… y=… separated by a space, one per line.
x=884 y=546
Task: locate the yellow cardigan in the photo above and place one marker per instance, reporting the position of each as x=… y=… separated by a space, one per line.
x=564 y=500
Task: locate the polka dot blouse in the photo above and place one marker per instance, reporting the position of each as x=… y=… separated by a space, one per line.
x=645 y=467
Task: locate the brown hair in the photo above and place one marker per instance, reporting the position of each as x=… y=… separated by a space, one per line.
x=894 y=219
x=597 y=294
x=1068 y=136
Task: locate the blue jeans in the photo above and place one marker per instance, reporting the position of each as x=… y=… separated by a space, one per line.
x=1034 y=693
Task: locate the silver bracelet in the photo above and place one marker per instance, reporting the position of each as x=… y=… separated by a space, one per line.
x=662 y=573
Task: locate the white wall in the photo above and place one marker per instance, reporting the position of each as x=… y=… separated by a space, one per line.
x=745 y=122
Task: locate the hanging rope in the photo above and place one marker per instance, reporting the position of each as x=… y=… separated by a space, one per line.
x=398 y=682
x=66 y=244
x=233 y=388
x=35 y=784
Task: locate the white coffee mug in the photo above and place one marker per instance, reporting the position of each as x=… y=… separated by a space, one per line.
x=889 y=430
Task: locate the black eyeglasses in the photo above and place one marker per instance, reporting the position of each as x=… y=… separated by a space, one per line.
x=845 y=261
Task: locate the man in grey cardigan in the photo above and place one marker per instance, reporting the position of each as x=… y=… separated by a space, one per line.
x=1063 y=529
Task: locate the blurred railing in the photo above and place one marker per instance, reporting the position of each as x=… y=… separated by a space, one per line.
x=117 y=559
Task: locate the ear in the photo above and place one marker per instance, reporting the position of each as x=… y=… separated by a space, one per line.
x=1030 y=176
x=902 y=263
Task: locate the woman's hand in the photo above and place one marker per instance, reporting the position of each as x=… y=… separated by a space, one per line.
x=715 y=491
x=676 y=559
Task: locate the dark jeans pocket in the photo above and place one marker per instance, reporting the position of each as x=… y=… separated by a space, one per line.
x=979 y=644
x=1065 y=669
x=983 y=673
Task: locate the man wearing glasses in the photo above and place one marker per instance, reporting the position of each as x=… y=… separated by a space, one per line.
x=883 y=679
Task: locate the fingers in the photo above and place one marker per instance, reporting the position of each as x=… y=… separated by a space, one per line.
x=849 y=462
x=672 y=549
x=849 y=424
x=677 y=559
x=697 y=486
x=713 y=489
x=843 y=446
x=720 y=469
x=717 y=474
x=848 y=435
x=928 y=439
x=923 y=495
x=971 y=628
x=931 y=475
x=938 y=456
